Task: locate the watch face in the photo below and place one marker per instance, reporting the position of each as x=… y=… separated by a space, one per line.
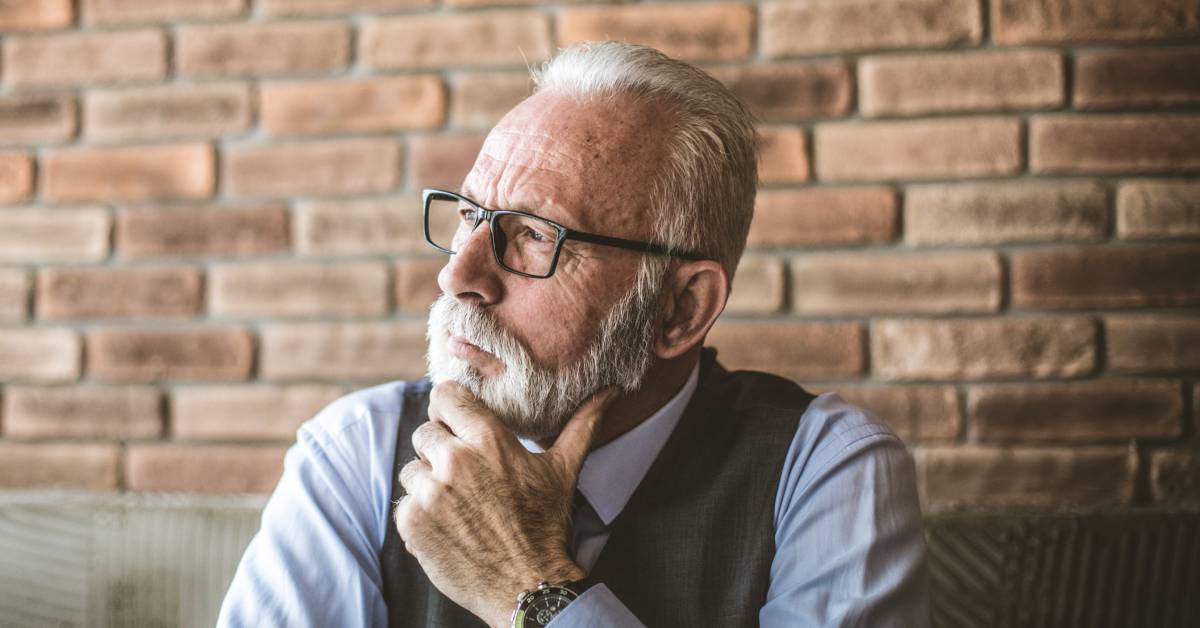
x=542 y=606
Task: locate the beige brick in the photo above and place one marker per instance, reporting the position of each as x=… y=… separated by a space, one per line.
x=14 y=294
x=914 y=413
x=155 y=113
x=82 y=412
x=416 y=283
x=815 y=216
x=37 y=119
x=1175 y=478
x=85 y=58
x=817 y=26
x=790 y=91
x=1114 y=143
x=319 y=168
x=352 y=106
x=202 y=231
x=360 y=227
x=61 y=235
x=279 y=8
x=109 y=12
x=39 y=354
x=262 y=49
x=479 y=99
x=920 y=149
x=246 y=412
x=977 y=348
x=795 y=349
x=782 y=155
x=758 y=286
x=65 y=293
x=16 y=177
x=978 y=81
x=298 y=289
x=693 y=31
x=1104 y=277
x=129 y=173
x=210 y=353
x=994 y=213
x=1152 y=343
x=441 y=161
x=31 y=15
x=1158 y=209
x=93 y=467
x=1136 y=78
x=374 y=351
x=455 y=39
x=935 y=283
x=203 y=468
x=1025 y=21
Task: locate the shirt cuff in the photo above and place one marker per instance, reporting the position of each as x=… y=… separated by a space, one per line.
x=596 y=608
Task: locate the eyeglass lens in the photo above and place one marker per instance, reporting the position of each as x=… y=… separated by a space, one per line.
x=523 y=243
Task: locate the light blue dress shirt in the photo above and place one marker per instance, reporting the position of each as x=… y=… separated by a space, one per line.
x=850 y=546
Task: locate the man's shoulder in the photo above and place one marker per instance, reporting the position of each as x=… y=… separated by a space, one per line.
x=375 y=407
x=833 y=428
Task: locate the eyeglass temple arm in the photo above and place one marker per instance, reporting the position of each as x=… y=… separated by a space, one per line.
x=632 y=245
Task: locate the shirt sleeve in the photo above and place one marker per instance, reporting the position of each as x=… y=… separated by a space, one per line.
x=596 y=608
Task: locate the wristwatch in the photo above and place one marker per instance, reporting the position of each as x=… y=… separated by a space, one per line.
x=536 y=607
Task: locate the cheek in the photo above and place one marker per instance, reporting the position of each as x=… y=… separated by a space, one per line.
x=559 y=326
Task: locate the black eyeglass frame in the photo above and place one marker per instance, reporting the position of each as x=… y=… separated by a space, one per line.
x=564 y=233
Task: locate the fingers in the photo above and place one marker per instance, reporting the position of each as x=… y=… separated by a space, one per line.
x=575 y=441
x=433 y=442
x=417 y=479
x=465 y=416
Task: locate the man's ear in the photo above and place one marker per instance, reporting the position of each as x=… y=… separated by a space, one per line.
x=694 y=296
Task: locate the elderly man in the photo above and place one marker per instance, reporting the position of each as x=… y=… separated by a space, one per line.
x=579 y=459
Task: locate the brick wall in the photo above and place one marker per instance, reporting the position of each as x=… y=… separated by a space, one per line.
x=980 y=218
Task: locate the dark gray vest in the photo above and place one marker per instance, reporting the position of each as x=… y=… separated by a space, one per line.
x=693 y=547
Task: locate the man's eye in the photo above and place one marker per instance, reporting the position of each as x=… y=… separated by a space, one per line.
x=536 y=236
x=467 y=214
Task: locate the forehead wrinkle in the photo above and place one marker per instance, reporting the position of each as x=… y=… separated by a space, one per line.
x=555 y=155
x=510 y=175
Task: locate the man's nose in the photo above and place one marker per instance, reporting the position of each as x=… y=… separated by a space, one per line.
x=471 y=273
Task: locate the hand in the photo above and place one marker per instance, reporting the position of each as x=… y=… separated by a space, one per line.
x=484 y=517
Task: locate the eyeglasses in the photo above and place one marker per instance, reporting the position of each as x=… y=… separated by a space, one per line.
x=522 y=243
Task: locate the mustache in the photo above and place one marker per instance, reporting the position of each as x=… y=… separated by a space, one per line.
x=478 y=327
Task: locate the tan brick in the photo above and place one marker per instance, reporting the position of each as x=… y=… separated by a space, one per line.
x=31 y=15
x=85 y=58
x=1103 y=277
x=978 y=81
x=108 y=12
x=61 y=235
x=693 y=31
x=298 y=289
x=203 y=468
x=817 y=216
x=353 y=106
x=441 y=161
x=202 y=231
x=246 y=412
x=93 y=467
x=1025 y=21
x=363 y=351
x=914 y=413
x=816 y=26
x=39 y=354
x=1150 y=343
x=416 y=283
x=64 y=293
x=36 y=119
x=919 y=149
x=262 y=49
x=1103 y=410
x=154 y=113
x=851 y=283
x=14 y=294
x=479 y=99
x=782 y=155
x=1017 y=211
x=82 y=412
x=758 y=286
x=279 y=8
x=955 y=477
x=795 y=349
x=789 y=91
x=320 y=168
x=360 y=227
x=1175 y=478
x=979 y=348
x=212 y=353
x=16 y=177
x=455 y=39
x=1133 y=78
x=1114 y=143
x=1158 y=209
x=129 y=173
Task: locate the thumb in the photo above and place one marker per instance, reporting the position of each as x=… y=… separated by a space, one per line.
x=573 y=444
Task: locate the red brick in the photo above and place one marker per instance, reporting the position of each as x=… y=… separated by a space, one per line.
x=758 y=286
x=23 y=15
x=782 y=155
x=1134 y=78
x=262 y=49
x=155 y=113
x=1158 y=209
x=1103 y=277
x=914 y=413
x=203 y=468
x=298 y=289
x=694 y=32
x=977 y=348
x=246 y=412
x=954 y=477
x=16 y=177
x=92 y=467
x=1101 y=411
x=823 y=216
x=201 y=231
x=416 y=284
x=850 y=283
x=39 y=354
x=813 y=26
x=278 y=8
x=85 y=58
x=374 y=351
x=352 y=106
x=994 y=213
x=14 y=294
x=455 y=39
x=62 y=235
x=82 y=412
x=1025 y=21
x=328 y=167
x=1150 y=343
x=108 y=12
x=360 y=227
x=37 y=119
x=441 y=161
x=789 y=91
x=64 y=293
x=224 y=353
x=795 y=349
x=1175 y=478
x=920 y=149
x=129 y=173
x=479 y=100
x=979 y=81
x=1114 y=143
